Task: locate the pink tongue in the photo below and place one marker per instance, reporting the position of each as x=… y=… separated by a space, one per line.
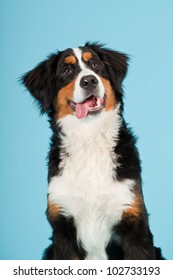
x=82 y=109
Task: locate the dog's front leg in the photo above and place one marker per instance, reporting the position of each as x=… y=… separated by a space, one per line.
x=65 y=245
x=65 y=241
x=137 y=240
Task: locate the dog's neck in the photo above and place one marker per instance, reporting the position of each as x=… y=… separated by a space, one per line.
x=106 y=125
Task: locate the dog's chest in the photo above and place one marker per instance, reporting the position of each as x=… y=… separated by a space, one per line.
x=88 y=191
x=89 y=165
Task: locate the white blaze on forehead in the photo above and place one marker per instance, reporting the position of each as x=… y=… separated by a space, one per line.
x=78 y=54
x=78 y=91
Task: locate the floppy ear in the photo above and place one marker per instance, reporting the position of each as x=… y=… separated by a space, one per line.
x=116 y=64
x=41 y=82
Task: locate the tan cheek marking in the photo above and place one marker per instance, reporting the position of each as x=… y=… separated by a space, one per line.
x=110 y=97
x=70 y=59
x=53 y=211
x=62 y=106
x=87 y=56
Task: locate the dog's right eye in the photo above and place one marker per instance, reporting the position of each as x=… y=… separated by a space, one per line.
x=68 y=71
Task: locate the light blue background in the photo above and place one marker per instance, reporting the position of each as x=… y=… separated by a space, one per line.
x=30 y=30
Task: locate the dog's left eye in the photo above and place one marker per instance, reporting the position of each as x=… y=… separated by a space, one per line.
x=95 y=65
x=67 y=71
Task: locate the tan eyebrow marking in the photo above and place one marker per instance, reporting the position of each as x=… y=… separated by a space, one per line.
x=71 y=59
x=87 y=56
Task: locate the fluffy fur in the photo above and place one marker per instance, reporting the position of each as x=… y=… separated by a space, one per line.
x=95 y=201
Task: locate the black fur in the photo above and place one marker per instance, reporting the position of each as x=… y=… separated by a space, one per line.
x=44 y=82
x=41 y=82
x=64 y=242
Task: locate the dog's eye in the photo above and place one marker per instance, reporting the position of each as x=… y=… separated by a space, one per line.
x=96 y=65
x=67 y=71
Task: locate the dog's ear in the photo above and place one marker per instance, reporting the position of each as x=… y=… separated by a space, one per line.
x=116 y=63
x=41 y=82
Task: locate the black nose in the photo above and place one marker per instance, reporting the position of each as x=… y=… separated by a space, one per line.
x=88 y=82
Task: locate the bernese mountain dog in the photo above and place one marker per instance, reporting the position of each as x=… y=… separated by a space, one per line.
x=95 y=201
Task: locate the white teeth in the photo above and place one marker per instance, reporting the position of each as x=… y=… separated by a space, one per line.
x=97 y=106
x=98 y=102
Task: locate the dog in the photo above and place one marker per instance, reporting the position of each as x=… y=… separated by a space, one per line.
x=95 y=204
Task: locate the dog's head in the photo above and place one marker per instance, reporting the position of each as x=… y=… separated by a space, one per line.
x=82 y=82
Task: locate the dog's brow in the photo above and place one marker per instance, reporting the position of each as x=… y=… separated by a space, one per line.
x=87 y=56
x=70 y=59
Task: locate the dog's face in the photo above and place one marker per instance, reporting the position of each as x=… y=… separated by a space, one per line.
x=82 y=82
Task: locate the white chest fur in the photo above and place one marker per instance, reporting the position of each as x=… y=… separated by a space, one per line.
x=86 y=190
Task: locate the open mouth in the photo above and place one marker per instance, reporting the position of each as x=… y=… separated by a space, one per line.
x=92 y=104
